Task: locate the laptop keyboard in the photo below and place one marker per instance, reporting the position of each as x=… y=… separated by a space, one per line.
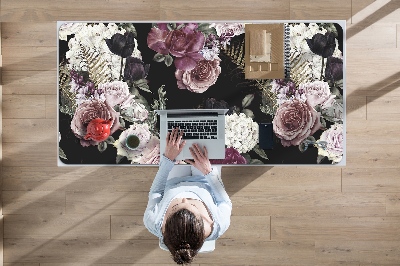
x=196 y=129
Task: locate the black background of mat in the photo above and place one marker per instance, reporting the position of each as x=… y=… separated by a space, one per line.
x=231 y=86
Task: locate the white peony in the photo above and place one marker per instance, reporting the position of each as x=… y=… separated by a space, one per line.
x=241 y=132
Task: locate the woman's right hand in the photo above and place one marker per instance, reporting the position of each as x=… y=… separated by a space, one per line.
x=200 y=157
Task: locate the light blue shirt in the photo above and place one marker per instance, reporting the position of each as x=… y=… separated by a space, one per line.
x=209 y=188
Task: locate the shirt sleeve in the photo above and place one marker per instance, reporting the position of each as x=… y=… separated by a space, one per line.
x=222 y=199
x=156 y=194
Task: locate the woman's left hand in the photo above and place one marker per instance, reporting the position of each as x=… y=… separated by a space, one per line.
x=174 y=144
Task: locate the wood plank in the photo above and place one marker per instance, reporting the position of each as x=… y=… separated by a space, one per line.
x=373 y=12
x=30 y=82
x=33 y=202
x=24 y=106
x=121 y=10
x=385 y=33
x=21 y=264
x=44 y=62
x=372 y=72
x=30 y=154
x=249 y=227
x=225 y=10
x=129 y=227
x=383 y=108
x=393 y=204
x=309 y=204
x=360 y=155
x=28 y=34
x=356 y=108
x=51 y=226
x=51 y=106
x=358 y=6
x=335 y=228
x=107 y=203
x=376 y=132
x=381 y=180
x=82 y=179
x=284 y=179
x=147 y=251
x=364 y=252
x=305 y=9
x=112 y=264
x=29 y=130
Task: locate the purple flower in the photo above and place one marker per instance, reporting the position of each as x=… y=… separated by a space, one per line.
x=212 y=103
x=232 y=156
x=184 y=44
x=135 y=69
x=121 y=45
x=334 y=68
x=323 y=45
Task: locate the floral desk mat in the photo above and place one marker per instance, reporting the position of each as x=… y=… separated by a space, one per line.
x=116 y=74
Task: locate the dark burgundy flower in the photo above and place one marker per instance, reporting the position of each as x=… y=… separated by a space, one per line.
x=232 y=156
x=323 y=45
x=121 y=45
x=334 y=68
x=212 y=103
x=135 y=69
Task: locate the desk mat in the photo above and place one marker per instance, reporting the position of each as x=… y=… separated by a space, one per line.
x=120 y=72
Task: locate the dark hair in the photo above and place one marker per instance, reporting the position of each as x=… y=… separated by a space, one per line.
x=184 y=235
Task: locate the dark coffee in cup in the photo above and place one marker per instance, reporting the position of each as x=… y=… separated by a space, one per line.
x=132 y=142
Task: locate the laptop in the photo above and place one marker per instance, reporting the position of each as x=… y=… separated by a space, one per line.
x=206 y=127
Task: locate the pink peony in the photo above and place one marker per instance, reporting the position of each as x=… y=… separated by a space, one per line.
x=151 y=153
x=232 y=156
x=86 y=112
x=200 y=78
x=335 y=140
x=184 y=44
x=318 y=93
x=115 y=92
x=294 y=121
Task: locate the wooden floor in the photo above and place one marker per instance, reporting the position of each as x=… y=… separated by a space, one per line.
x=281 y=215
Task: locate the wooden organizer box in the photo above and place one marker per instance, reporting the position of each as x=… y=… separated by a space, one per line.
x=264 y=51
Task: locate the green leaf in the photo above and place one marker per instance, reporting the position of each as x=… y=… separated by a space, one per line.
x=119 y=158
x=320 y=158
x=145 y=88
x=122 y=122
x=323 y=122
x=311 y=139
x=168 y=60
x=171 y=26
x=247 y=157
x=102 y=146
x=256 y=161
x=142 y=84
x=159 y=57
x=110 y=140
x=247 y=100
x=206 y=29
x=335 y=91
x=260 y=152
x=62 y=154
x=129 y=28
x=303 y=146
x=248 y=112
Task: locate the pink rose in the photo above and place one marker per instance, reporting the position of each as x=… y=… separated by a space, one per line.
x=334 y=139
x=115 y=92
x=86 y=112
x=184 y=44
x=200 y=78
x=151 y=153
x=294 y=121
x=318 y=92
